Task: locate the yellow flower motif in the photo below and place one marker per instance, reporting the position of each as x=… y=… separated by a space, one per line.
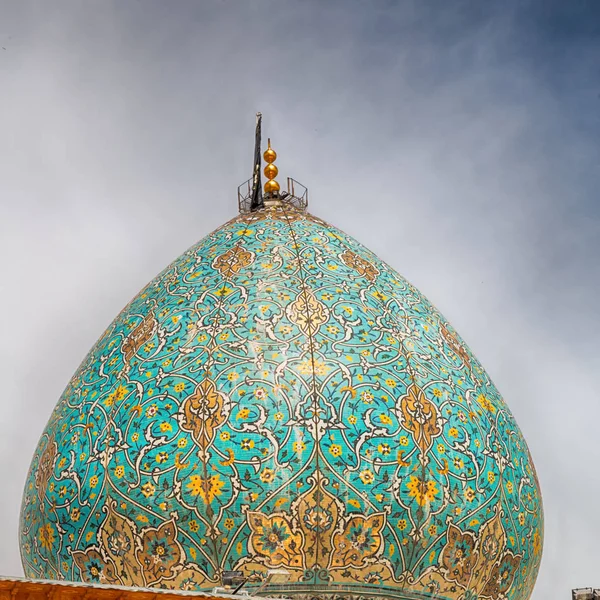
x=167 y=362
x=89 y=535
x=367 y=397
x=298 y=447
x=46 y=536
x=245 y=232
x=485 y=403
x=179 y=387
x=432 y=530
x=166 y=426
x=135 y=437
x=75 y=514
x=509 y=487
x=119 y=471
x=491 y=476
x=244 y=413
x=278 y=416
x=193 y=525
x=93 y=481
x=260 y=393
x=453 y=432
x=335 y=450
x=384 y=449
x=402 y=524
x=224 y=291
x=247 y=444
x=521 y=519
x=148 y=490
x=267 y=475
x=423 y=491
x=182 y=442
x=116 y=396
x=403 y=440
x=390 y=383
x=225 y=435
x=469 y=494
x=233 y=376
x=437 y=392
x=385 y=419
x=307 y=367
x=352 y=420
x=208 y=488
x=366 y=476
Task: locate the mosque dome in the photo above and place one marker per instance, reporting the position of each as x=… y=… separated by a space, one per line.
x=281 y=403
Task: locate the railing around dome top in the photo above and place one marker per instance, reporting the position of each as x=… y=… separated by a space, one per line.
x=296 y=195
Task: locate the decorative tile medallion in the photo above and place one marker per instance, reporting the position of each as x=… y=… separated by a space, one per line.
x=280 y=398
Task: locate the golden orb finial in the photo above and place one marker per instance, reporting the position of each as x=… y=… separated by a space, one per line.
x=270 y=155
x=271 y=171
x=271 y=186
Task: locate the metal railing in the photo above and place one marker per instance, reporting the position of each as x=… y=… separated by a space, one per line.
x=296 y=195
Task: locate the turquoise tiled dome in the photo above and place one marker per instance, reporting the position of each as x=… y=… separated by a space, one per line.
x=279 y=398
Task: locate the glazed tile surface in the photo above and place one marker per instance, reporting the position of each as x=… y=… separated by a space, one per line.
x=280 y=398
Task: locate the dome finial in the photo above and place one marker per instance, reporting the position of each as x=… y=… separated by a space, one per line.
x=271 y=187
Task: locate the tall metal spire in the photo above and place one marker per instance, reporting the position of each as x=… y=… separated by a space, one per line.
x=257 y=195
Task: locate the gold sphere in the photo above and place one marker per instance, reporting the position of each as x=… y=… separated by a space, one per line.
x=270 y=155
x=271 y=186
x=271 y=171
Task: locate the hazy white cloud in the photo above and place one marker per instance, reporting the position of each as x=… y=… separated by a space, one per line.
x=459 y=142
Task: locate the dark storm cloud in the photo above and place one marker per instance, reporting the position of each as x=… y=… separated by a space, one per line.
x=457 y=141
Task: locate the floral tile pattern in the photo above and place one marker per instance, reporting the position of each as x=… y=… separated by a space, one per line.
x=280 y=398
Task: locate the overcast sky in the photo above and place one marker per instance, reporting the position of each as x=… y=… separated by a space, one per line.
x=460 y=141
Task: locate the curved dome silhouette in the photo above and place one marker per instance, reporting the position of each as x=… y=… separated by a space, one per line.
x=279 y=398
